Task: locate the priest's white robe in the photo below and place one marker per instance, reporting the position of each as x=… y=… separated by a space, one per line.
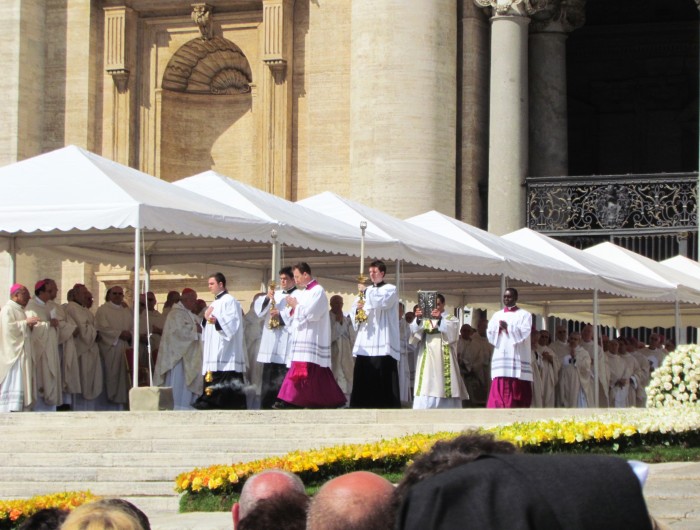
x=512 y=354
x=603 y=375
x=16 y=363
x=311 y=327
x=405 y=383
x=275 y=344
x=549 y=373
x=342 y=361
x=181 y=348
x=621 y=371
x=575 y=389
x=379 y=335
x=155 y=320
x=111 y=319
x=224 y=348
x=47 y=364
x=560 y=348
x=91 y=377
x=439 y=383
x=642 y=378
x=70 y=367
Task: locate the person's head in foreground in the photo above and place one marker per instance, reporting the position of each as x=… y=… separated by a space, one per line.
x=107 y=514
x=46 y=519
x=356 y=501
x=267 y=484
x=477 y=482
x=287 y=510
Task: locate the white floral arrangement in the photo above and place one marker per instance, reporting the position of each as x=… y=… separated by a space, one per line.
x=677 y=380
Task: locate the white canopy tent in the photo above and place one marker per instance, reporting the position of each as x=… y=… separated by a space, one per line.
x=74 y=204
x=314 y=235
x=411 y=244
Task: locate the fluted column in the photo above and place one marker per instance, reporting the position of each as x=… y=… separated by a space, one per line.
x=278 y=23
x=549 y=154
x=119 y=117
x=508 y=115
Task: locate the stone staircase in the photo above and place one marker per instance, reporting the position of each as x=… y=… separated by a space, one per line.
x=137 y=455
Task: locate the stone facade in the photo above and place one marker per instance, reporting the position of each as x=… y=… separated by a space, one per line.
x=405 y=106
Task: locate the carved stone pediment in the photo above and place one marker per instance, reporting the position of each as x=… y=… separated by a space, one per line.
x=213 y=66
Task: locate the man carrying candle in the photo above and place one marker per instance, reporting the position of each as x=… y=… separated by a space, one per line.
x=376 y=350
x=224 y=359
x=309 y=383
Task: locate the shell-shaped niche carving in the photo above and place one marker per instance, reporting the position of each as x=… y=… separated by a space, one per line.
x=214 y=66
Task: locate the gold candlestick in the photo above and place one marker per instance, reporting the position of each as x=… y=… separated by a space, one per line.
x=360 y=314
x=274 y=321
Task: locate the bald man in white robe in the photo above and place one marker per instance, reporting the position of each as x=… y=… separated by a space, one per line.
x=47 y=364
x=179 y=363
x=91 y=377
x=115 y=325
x=16 y=363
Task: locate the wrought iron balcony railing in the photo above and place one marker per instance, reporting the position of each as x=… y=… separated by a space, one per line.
x=620 y=204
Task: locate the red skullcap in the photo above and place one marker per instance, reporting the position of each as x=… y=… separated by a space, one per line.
x=16 y=287
x=187 y=290
x=38 y=285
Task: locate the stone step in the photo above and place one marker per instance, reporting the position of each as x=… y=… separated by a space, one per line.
x=124 y=487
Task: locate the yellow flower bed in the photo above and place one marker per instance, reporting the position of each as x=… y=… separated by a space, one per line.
x=12 y=512
x=615 y=425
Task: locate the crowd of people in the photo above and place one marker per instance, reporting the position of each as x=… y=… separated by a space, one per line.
x=295 y=348
x=471 y=481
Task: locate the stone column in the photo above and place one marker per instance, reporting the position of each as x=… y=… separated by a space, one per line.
x=475 y=112
x=548 y=108
x=278 y=20
x=403 y=103
x=508 y=120
x=119 y=117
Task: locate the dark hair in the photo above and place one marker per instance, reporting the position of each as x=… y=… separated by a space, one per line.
x=440 y=297
x=287 y=271
x=379 y=264
x=287 y=510
x=449 y=454
x=46 y=519
x=219 y=277
x=302 y=267
x=512 y=290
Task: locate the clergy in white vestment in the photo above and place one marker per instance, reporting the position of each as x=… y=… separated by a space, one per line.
x=511 y=364
x=151 y=324
x=253 y=325
x=172 y=298
x=405 y=383
x=377 y=345
x=179 y=363
x=537 y=390
x=575 y=387
x=342 y=340
x=91 y=377
x=16 y=363
x=560 y=344
x=549 y=365
x=48 y=380
x=70 y=368
x=480 y=352
x=642 y=375
x=274 y=353
x=588 y=344
x=309 y=381
x=439 y=384
x=622 y=367
x=115 y=324
x=224 y=359
x=655 y=351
